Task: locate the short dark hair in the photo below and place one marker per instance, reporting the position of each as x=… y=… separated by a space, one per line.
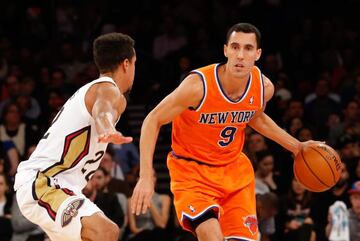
x=111 y=49
x=245 y=28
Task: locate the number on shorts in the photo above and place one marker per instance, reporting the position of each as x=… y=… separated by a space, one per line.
x=227 y=135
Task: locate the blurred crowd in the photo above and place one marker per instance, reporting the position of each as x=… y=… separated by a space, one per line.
x=309 y=53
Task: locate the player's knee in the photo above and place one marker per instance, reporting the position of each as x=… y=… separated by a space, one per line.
x=209 y=230
x=111 y=231
x=100 y=231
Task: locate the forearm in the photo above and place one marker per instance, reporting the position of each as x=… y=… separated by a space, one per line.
x=149 y=134
x=267 y=127
x=104 y=116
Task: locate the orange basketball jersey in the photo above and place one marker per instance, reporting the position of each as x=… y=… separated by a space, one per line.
x=214 y=133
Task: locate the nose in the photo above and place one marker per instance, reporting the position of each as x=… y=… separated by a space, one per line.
x=240 y=53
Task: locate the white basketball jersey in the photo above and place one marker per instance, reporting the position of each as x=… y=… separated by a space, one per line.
x=69 y=152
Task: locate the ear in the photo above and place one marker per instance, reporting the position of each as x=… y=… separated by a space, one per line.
x=126 y=63
x=225 y=50
x=258 y=54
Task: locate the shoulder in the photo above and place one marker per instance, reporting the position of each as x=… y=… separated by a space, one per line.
x=269 y=88
x=191 y=90
x=105 y=91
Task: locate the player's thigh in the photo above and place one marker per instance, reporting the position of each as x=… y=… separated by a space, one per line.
x=98 y=227
x=240 y=221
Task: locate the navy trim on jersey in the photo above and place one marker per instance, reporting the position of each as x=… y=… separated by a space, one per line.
x=222 y=90
x=263 y=90
x=204 y=89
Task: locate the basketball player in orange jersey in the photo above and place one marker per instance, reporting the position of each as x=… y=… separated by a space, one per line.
x=211 y=178
x=49 y=184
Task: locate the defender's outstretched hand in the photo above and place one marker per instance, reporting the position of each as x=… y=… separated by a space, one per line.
x=142 y=195
x=114 y=137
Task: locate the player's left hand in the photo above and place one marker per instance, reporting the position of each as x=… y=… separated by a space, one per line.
x=114 y=137
x=304 y=144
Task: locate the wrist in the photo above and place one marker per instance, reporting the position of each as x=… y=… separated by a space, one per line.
x=146 y=175
x=297 y=148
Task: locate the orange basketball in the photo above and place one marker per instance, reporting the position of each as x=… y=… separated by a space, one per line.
x=317 y=167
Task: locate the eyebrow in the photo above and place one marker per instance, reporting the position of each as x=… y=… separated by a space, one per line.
x=246 y=45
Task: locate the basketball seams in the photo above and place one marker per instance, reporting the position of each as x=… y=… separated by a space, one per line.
x=312 y=172
x=332 y=172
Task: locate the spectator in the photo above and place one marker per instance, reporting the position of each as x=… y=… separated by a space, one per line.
x=12 y=90
x=264 y=174
x=255 y=143
x=352 y=218
x=320 y=105
x=322 y=202
x=127 y=155
x=351 y=116
x=113 y=182
x=151 y=225
x=107 y=202
x=169 y=41
x=23 y=229
x=23 y=135
x=5 y=210
x=266 y=208
x=10 y=157
x=295 y=214
x=305 y=134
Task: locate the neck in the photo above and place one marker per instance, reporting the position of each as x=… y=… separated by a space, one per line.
x=115 y=77
x=2 y=197
x=233 y=85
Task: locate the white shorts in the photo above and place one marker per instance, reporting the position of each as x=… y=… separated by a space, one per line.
x=56 y=210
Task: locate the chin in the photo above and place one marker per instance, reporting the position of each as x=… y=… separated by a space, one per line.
x=126 y=94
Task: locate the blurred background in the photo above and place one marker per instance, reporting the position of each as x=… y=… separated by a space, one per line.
x=310 y=53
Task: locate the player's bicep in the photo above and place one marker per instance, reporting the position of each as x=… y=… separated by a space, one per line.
x=187 y=95
x=107 y=100
x=269 y=89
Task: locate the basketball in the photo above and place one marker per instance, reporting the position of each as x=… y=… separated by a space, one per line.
x=317 y=167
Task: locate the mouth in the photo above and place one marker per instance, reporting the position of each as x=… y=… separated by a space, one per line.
x=239 y=66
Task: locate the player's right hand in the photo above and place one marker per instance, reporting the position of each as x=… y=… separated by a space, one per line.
x=142 y=195
x=114 y=137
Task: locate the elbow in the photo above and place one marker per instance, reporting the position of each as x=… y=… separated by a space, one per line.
x=151 y=120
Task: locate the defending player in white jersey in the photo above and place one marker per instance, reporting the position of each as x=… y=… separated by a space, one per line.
x=48 y=185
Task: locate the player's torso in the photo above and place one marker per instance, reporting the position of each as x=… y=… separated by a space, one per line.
x=214 y=132
x=69 y=151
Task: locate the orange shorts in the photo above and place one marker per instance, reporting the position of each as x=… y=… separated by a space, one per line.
x=228 y=190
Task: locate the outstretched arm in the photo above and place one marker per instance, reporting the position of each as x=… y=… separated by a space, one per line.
x=263 y=124
x=105 y=103
x=188 y=94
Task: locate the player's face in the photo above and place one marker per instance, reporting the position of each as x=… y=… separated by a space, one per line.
x=242 y=52
x=130 y=73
